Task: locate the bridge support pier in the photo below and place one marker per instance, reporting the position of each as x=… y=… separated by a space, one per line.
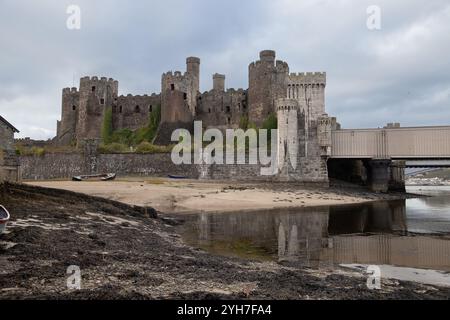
x=397 y=176
x=379 y=175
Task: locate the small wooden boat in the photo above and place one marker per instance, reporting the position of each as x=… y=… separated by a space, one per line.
x=4 y=218
x=176 y=177
x=101 y=177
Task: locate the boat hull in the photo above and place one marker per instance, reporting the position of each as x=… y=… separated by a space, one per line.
x=4 y=218
x=177 y=177
x=95 y=177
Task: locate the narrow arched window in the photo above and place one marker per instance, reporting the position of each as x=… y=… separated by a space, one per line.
x=137 y=109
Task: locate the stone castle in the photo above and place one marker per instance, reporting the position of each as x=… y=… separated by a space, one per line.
x=298 y=99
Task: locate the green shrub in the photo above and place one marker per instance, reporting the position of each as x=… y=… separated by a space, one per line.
x=33 y=151
x=123 y=136
x=147 y=147
x=22 y=150
x=244 y=123
x=271 y=122
x=148 y=132
x=114 y=148
x=107 y=128
x=133 y=138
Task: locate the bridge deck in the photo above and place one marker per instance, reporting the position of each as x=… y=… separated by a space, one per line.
x=392 y=143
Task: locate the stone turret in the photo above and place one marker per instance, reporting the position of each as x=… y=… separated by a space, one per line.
x=219 y=82
x=309 y=90
x=187 y=84
x=66 y=129
x=267 y=83
x=95 y=96
x=288 y=115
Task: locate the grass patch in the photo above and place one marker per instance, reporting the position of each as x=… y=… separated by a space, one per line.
x=22 y=150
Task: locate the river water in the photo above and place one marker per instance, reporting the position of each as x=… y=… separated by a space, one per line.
x=412 y=233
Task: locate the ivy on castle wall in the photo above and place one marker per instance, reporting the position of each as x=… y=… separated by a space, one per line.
x=107 y=127
x=126 y=140
x=148 y=133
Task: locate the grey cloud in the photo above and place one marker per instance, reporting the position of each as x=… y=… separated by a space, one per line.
x=399 y=73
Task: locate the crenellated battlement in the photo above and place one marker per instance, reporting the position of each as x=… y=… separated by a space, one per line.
x=325 y=120
x=174 y=76
x=70 y=90
x=233 y=90
x=153 y=95
x=308 y=78
x=229 y=91
x=96 y=80
x=286 y=104
x=267 y=57
x=282 y=66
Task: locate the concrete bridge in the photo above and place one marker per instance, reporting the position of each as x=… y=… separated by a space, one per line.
x=379 y=156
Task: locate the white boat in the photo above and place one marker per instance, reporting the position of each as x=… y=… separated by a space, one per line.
x=4 y=218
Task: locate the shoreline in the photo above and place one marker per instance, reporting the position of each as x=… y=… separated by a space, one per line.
x=192 y=196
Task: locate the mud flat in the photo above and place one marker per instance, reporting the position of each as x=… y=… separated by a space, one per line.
x=125 y=252
x=192 y=196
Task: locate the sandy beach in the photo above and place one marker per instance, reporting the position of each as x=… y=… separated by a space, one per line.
x=191 y=196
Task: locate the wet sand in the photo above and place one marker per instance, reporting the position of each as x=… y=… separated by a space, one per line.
x=187 y=196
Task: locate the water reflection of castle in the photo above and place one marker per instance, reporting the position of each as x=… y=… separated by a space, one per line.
x=365 y=234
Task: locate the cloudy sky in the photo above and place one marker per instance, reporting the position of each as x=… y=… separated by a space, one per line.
x=400 y=73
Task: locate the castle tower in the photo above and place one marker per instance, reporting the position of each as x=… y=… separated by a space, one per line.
x=291 y=144
x=66 y=128
x=180 y=90
x=303 y=148
x=309 y=90
x=267 y=83
x=193 y=73
x=96 y=95
x=219 y=82
x=193 y=66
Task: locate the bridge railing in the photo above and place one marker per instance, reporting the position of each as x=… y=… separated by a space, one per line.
x=401 y=143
